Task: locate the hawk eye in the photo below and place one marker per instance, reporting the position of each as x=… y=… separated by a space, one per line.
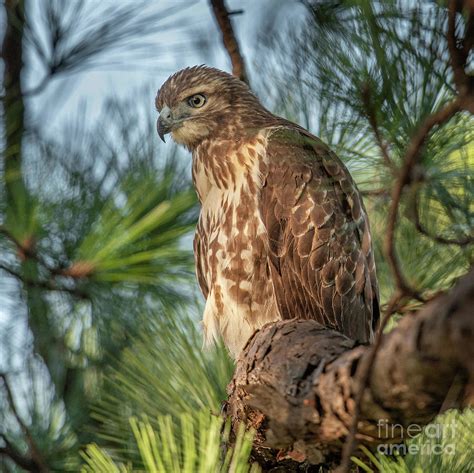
x=197 y=101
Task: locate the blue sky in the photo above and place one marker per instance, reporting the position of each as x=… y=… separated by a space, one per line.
x=195 y=39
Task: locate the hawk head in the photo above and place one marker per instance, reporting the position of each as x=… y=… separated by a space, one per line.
x=202 y=102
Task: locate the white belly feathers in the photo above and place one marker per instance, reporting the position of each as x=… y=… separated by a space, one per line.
x=233 y=252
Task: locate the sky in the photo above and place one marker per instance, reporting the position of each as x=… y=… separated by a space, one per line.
x=194 y=39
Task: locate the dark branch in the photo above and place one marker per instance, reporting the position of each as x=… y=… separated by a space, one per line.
x=458 y=48
x=404 y=290
x=25 y=249
x=229 y=39
x=468 y=42
x=364 y=371
x=46 y=285
x=412 y=156
x=375 y=193
x=15 y=456
x=461 y=241
x=35 y=454
x=372 y=118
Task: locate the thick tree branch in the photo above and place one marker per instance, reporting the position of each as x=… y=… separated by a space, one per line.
x=296 y=382
x=364 y=371
x=229 y=39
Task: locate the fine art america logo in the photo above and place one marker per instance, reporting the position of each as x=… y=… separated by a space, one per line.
x=436 y=438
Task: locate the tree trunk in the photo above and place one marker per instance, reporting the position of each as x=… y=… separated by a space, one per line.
x=296 y=381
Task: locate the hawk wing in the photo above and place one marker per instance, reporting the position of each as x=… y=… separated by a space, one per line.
x=320 y=253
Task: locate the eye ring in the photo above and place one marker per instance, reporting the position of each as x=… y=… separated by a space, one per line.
x=197 y=100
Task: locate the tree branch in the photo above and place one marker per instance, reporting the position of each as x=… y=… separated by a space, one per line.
x=46 y=285
x=372 y=118
x=464 y=85
x=364 y=371
x=229 y=39
x=465 y=101
x=459 y=48
x=411 y=158
x=35 y=454
x=460 y=241
x=297 y=382
x=404 y=290
x=384 y=193
x=27 y=249
x=15 y=456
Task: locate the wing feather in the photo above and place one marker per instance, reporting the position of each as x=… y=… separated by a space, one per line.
x=320 y=252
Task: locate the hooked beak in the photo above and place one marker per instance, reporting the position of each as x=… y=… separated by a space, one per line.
x=165 y=123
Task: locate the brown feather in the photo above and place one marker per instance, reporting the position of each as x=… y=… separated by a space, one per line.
x=283 y=232
x=311 y=206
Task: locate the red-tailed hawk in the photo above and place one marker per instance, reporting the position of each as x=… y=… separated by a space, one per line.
x=282 y=231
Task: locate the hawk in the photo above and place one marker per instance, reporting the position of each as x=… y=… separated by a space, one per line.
x=282 y=231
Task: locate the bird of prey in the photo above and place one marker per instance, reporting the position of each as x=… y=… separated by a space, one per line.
x=282 y=231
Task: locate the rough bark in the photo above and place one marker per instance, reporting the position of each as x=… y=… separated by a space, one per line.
x=296 y=381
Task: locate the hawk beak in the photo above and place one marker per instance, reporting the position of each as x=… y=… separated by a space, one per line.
x=162 y=129
x=165 y=123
